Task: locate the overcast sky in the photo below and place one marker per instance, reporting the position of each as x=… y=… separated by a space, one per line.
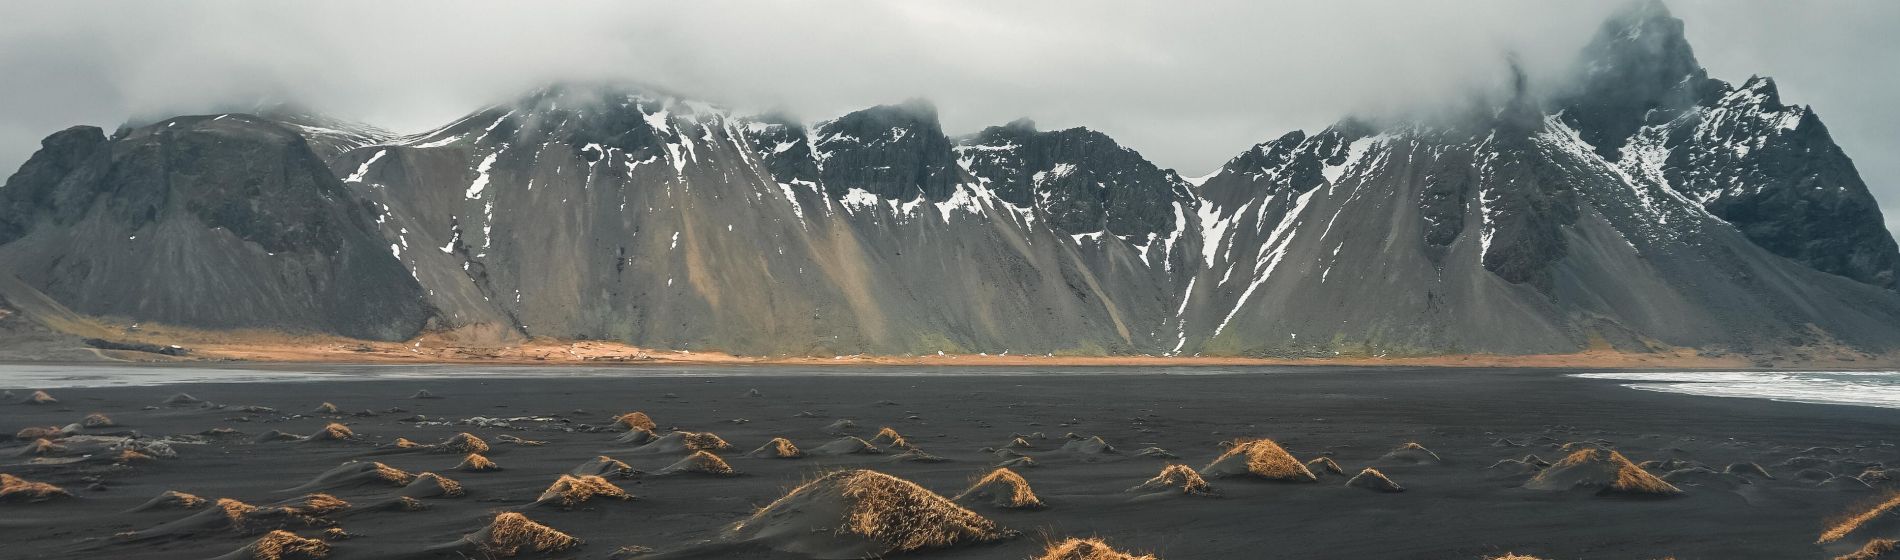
x=1189 y=84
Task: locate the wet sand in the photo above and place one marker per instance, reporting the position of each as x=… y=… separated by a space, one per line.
x=1457 y=508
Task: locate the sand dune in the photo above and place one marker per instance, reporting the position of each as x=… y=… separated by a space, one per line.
x=858 y=513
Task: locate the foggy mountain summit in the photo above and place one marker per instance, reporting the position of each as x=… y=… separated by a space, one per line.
x=1645 y=207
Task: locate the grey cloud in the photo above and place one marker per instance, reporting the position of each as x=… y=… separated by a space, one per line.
x=1189 y=84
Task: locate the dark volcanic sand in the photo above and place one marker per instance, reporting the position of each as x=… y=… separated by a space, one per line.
x=1458 y=509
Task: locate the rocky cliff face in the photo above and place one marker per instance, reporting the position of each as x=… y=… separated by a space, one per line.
x=1651 y=206
x=219 y=222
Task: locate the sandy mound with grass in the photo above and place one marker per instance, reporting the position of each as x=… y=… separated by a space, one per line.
x=1372 y=479
x=847 y=445
x=858 y=514
x=357 y=473
x=1259 y=458
x=423 y=394
x=16 y=490
x=684 y=442
x=242 y=518
x=700 y=462
x=604 y=466
x=181 y=399
x=1410 y=454
x=1880 y=520
x=275 y=436
x=636 y=436
x=1323 y=466
x=569 y=491
x=1176 y=478
x=97 y=420
x=171 y=499
x=1705 y=477
x=40 y=397
x=1748 y=469
x=915 y=456
x=332 y=432
x=509 y=535
x=635 y=421
x=31 y=433
x=1087 y=549
x=841 y=427
x=475 y=462
x=890 y=438
x=464 y=442
x=42 y=448
x=431 y=485
x=1877 y=549
x=1018 y=443
x=778 y=448
x=1605 y=471
x=1001 y=488
x=1092 y=445
x=1018 y=463
x=281 y=545
x=326 y=408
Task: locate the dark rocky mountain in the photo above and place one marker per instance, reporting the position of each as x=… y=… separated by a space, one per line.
x=226 y=221
x=1649 y=207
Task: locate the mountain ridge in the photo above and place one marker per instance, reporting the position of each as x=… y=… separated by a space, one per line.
x=1651 y=208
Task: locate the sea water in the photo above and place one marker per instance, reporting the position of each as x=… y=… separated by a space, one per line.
x=1860 y=388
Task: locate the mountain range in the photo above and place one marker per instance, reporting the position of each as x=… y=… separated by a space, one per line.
x=1645 y=207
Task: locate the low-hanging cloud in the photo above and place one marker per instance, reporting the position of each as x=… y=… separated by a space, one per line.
x=1189 y=84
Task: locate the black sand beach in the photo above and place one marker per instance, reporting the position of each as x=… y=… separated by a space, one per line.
x=1455 y=508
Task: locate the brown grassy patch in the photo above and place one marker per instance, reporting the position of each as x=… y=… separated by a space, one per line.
x=1874 y=550
x=570 y=490
x=40 y=397
x=1604 y=468
x=1003 y=488
x=893 y=514
x=326 y=408
x=704 y=441
x=779 y=448
x=1372 y=479
x=1176 y=476
x=1087 y=549
x=19 y=490
x=510 y=533
x=890 y=437
x=465 y=443
x=431 y=484
x=701 y=462
x=1324 y=465
x=41 y=448
x=332 y=432
x=475 y=462
x=285 y=545
x=1848 y=524
x=37 y=432
x=97 y=420
x=173 y=499
x=1263 y=458
x=635 y=420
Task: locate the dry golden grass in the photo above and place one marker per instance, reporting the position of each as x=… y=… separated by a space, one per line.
x=465 y=442
x=701 y=462
x=1626 y=478
x=128 y=456
x=1512 y=556
x=40 y=397
x=333 y=431
x=475 y=462
x=1263 y=459
x=779 y=448
x=603 y=465
x=1178 y=476
x=389 y=474
x=1018 y=443
x=1087 y=549
x=1325 y=465
x=285 y=545
x=635 y=420
x=326 y=408
x=511 y=532
x=42 y=447
x=1848 y=524
x=1372 y=479
x=890 y=437
x=37 y=432
x=1005 y=489
x=439 y=485
x=19 y=490
x=1876 y=549
x=173 y=499
x=570 y=490
x=97 y=420
x=704 y=441
x=404 y=443
x=318 y=504
x=895 y=514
